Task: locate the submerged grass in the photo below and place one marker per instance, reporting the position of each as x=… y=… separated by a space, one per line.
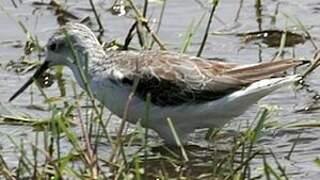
x=60 y=151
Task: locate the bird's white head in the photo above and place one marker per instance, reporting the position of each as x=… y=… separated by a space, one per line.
x=73 y=45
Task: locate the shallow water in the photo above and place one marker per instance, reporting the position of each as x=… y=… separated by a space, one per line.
x=178 y=15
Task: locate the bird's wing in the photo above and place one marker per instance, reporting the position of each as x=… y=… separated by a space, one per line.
x=174 y=79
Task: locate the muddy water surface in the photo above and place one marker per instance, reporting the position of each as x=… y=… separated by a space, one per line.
x=178 y=15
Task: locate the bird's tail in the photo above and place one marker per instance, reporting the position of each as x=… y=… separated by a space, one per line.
x=259 y=89
x=256 y=72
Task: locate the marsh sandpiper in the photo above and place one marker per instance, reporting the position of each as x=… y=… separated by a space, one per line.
x=193 y=92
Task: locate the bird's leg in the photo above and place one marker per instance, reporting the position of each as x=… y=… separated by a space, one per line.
x=169 y=137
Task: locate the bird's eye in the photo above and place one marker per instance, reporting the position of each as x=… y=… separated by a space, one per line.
x=53 y=47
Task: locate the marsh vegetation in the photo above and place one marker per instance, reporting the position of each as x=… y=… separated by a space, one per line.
x=58 y=131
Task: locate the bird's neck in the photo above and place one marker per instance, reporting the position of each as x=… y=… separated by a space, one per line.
x=86 y=61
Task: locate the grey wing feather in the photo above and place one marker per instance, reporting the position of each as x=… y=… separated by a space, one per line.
x=174 y=79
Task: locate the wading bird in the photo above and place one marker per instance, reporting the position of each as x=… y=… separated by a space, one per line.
x=193 y=92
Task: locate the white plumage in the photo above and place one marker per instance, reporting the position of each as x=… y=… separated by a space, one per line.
x=193 y=92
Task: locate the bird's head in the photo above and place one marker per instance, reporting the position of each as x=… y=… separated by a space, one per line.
x=72 y=45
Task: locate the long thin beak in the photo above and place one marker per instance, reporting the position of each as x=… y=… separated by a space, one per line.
x=42 y=69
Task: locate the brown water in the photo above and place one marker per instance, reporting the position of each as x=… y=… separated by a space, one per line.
x=178 y=15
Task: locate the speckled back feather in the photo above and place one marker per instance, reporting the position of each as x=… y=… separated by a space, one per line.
x=170 y=78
